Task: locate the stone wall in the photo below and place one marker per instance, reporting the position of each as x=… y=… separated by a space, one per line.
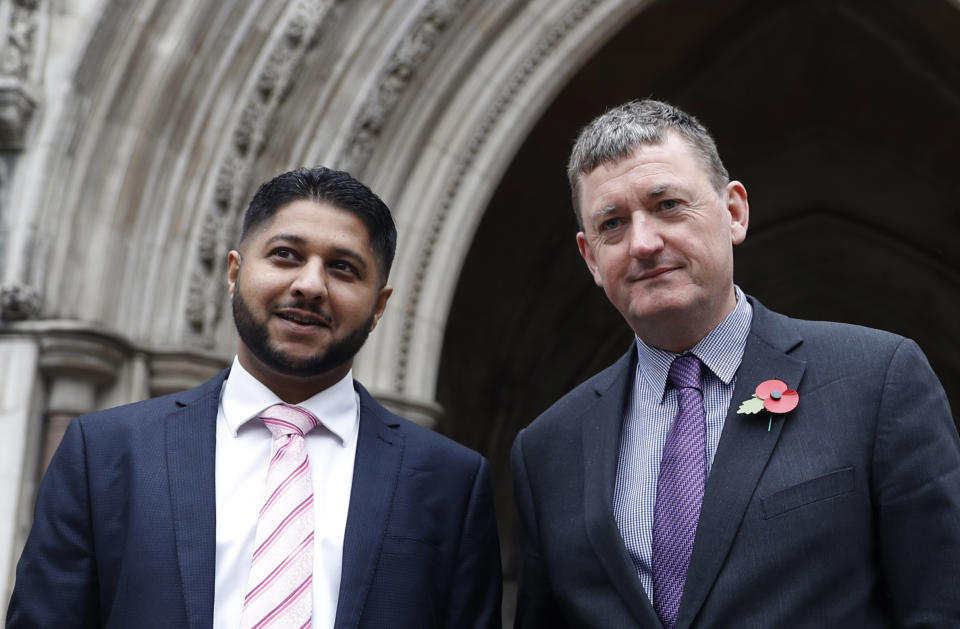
x=133 y=134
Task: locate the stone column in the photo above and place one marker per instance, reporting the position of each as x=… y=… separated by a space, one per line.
x=20 y=397
x=178 y=371
x=76 y=365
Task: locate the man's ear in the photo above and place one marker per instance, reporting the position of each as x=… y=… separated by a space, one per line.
x=736 y=197
x=233 y=270
x=586 y=252
x=382 y=298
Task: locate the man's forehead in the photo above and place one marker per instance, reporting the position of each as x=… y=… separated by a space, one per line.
x=279 y=223
x=674 y=155
x=637 y=175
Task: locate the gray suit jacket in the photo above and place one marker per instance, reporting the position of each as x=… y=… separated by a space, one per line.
x=845 y=514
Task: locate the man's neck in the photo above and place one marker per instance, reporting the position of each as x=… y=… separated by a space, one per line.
x=293 y=389
x=678 y=333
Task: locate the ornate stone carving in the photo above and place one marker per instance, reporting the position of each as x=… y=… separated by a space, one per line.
x=393 y=81
x=196 y=300
x=17 y=59
x=16 y=109
x=544 y=48
x=18 y=302
x=18 y=51
x=226 y=182
x=263 y=95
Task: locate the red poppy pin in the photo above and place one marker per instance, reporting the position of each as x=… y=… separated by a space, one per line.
x=773 y=396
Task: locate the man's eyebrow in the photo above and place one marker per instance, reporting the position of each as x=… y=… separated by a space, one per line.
x=659 y=191
x=605 y=211
x=291 y=238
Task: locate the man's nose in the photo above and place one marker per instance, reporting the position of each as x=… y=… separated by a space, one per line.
x=310 y=281
x=645 y=237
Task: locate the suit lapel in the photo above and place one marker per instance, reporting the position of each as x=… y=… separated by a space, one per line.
x=375 y=473
x=191 y=451
x=742 y=454
x=601 y=425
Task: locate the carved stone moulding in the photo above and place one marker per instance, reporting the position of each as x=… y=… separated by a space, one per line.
x=18 y=58
x=257 y=105
x=73 y=351
x=17 y=103
x=18 y=302
x=74 y=355
x=393 y=81
x=505 y=98
x=179 y=371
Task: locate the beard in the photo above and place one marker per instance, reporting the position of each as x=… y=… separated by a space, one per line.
x=256 y=337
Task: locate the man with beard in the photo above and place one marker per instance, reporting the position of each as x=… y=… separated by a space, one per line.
x=279 y=493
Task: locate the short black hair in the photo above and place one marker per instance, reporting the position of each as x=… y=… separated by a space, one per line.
x=339 y=189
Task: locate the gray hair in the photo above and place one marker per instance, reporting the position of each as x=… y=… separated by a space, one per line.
x=617 y=133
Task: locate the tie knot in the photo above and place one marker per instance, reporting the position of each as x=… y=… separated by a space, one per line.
x=284 y=419
x=685 y=372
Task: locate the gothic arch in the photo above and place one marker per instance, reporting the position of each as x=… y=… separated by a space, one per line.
x=838 y=117
x=155 y=120
x=143 y=127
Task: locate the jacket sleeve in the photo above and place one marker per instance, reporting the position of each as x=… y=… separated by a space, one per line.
x=56 y=578
x=536 y=605
x=477 y=587
x=916 y=483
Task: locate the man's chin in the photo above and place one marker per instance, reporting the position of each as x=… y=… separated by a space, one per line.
x=300 y=366
x=660 y=315
x=658 y=312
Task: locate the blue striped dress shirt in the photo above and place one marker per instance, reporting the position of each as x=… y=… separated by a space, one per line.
x=650 y=412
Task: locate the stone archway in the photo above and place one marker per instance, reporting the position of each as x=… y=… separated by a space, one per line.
x=156 y=120
x=838 y=117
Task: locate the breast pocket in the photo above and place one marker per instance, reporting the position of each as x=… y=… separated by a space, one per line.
x=408 y=582
x=824 y=487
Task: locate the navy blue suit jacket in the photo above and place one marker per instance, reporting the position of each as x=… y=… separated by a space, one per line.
x=124 y=530
x=846 y=513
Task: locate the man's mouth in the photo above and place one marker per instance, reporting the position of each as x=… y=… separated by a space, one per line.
x=656 y=272
x=303 y=317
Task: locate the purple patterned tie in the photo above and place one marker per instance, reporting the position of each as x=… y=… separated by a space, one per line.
x=683 y=472
x=279 y=592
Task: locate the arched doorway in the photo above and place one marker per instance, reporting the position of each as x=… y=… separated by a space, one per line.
x=839 y=119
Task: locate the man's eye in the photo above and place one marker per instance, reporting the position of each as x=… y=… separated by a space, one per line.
x=345 y=267
x=611 y=223
x=669 y=204
x=284 y=253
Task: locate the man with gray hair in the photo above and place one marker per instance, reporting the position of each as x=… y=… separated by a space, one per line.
x=736 y=467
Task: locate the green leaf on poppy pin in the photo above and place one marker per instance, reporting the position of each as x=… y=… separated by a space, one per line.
x=751 y=406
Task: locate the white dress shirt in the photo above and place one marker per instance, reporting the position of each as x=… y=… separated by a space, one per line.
x=242 y=459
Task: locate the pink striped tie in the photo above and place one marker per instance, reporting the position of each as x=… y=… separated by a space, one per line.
x=279 y=592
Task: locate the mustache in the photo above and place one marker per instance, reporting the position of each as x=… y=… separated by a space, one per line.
x=306 y=306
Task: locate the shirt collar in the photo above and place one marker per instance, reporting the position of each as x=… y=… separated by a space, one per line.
x=721 y=350
x=244 y=398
